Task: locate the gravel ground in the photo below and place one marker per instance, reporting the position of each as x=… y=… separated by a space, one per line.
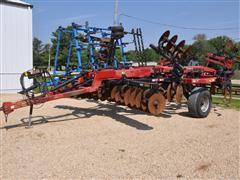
x=236 y=81
x=86 y=139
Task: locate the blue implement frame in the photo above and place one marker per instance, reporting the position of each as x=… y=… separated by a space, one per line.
x=90 y=44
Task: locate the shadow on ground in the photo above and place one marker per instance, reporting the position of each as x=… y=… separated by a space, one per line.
x=117 y=112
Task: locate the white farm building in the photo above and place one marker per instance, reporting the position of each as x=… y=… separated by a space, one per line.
x=15 y=43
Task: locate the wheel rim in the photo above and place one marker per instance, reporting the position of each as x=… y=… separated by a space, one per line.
x=179 y=93
x=117 y=95
x=144 y=105
x=171 y=43
x=113 y=92
x=99 y=93
x=170 y=93
x=163 y=38
x=179 y=47
x=156 y=103
x=205 y=104
x=122 y=90
x=132 y=97
x=138 y=98
x=127 y=96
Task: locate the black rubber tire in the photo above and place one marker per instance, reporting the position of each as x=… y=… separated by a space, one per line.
x=115 y=29
x=117 y=35
x=196 y=100
x=187 y=90
x=186 y=94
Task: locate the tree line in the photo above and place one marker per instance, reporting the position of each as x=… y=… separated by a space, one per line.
x=220 y=45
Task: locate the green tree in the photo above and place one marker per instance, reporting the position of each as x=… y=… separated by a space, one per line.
x=219 y=44
x=238 y=51
x=118 y=54
x=148 y=55
x=37 y=52
x=40 y=53
x=151 y=55
x=201 y=47
x=199 y=50
x=131 y=55
x=64 y=48
x=200 y=37
x=45 y=55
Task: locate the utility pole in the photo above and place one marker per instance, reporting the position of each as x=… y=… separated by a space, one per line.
x=115 y=13
x=49 y=58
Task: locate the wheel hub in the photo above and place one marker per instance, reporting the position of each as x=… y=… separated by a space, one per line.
x=156 y=103
x=205 y=104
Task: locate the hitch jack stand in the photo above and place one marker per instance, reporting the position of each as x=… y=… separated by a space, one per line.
x=30 y=117
x=30 y=114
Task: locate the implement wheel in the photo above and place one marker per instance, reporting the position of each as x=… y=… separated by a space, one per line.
x=144 y=98
x=138 y=98
x=199 y=103
x=144 y=106
x=132 y=97
x=99 y=94
x=170 y=93
x=163 y=38
x=135 y=97
x=123 y=89
x=114 y=92
x=127 y=96
x=156 y=104
x=117 y=95
x=171 y=43
x=179 y=94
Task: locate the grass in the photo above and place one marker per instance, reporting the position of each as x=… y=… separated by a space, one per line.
x=236 y=76
x=219 y=101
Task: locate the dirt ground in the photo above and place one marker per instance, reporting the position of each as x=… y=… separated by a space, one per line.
x=87 y=139
x=235 y=81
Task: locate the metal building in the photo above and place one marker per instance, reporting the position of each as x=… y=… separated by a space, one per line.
x=15 y=43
